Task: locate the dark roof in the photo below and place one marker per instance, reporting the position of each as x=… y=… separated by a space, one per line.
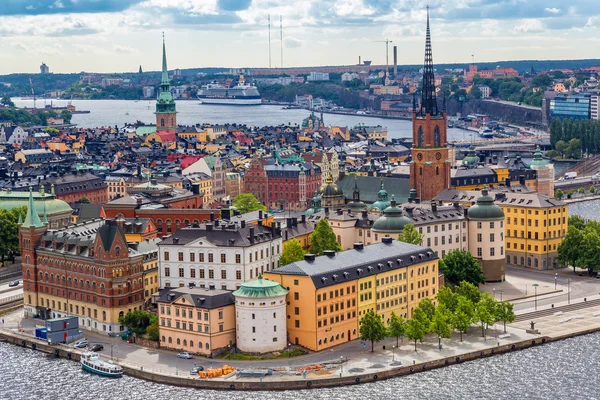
x=369 y=187
x=231 y=235
x=203 y=298
x=354 y=264
x=86 y=212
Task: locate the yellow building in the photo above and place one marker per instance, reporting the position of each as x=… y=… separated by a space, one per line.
x=204 y=184
x=192 y=132
x=560 y=87
x=329 y=294
x=196 y=320
x=149 y=249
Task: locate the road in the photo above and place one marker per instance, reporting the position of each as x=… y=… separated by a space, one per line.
x=10 y=291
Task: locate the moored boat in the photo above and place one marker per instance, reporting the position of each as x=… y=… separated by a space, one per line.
x=91 y=362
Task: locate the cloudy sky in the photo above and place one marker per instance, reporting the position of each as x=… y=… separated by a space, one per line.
x=119 y=35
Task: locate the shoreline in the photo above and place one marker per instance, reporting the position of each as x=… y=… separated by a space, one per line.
x=299 y=383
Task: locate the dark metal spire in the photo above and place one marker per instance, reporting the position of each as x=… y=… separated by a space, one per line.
x=428 y=99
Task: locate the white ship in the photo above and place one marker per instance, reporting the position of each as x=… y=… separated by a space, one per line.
x=240 y=94
x=91 y=362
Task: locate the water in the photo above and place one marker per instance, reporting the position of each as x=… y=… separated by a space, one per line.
x=586 y=209
x=561 y=370
x=190 y=112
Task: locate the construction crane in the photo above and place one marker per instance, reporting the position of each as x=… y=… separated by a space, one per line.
x=387 y=42
x=32 y=93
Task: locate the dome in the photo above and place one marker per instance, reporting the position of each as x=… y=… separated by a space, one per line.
x=356 y=206
x=471 y=159
x=392 y=220
x=42 y=201
x=382 y=199
x=316 y=205
x=260 y=288
x=330 y=189
x=485 y=208
x=538 y=160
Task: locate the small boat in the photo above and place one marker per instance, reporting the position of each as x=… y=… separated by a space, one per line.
x=91 y=362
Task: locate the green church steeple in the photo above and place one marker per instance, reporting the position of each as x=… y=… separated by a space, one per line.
x=166 y=112
x=32 y=219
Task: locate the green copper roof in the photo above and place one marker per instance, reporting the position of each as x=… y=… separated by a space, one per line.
x=538 y=160
x=471 y=159
x=485 y=208
x=165 y=102
x=260 y=288
x=42 y=201
x=32 y=218
x=392 y=219
x=165 y=71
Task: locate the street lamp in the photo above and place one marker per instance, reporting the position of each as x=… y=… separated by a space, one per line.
x=228 y=352
x=393 y=348
x=111 y=350
x=535 y=286
x=494 y=290
x=341 y=365
x=555 y=280
x=501 y=292
x=569 y=290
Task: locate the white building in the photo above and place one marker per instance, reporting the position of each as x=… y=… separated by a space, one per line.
x=13 y=135
x=485 y=91
x=148 y=92
x=260 y=316
x=349 y=76
x=318 y=76
x=220 y=255
x=595 y=106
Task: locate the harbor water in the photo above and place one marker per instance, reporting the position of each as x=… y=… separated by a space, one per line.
x=559 y=370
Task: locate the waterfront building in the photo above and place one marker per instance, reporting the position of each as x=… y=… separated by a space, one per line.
x=329 y=294
x=84 y=270
x=13 y=135
x=318 y=76
x=219 y=254
x=430 y=165
x=149 y=250
x=199 y=321
x=57 y=212
x=260 y=315
x=166 y=112
x=576 y=106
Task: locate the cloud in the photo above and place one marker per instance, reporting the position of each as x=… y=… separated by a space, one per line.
x=552 y=10
x=117 y=48
x=530 y=26
x=40 y=7
x=292 y=43
x=233 y=5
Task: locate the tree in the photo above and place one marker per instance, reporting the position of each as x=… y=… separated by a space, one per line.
x=475 y=92
x=485 y=311
x=575 y=221
x=463 y=316
x=569 y=250
x=441 y=323
x=589 y=250
x=418 y=326
x=396 y=326
x=428 y=307
x=292 y=251
x=84 y=200
x=505 y=313
x=592 y=189
x=561 y=147
x=469 y=291
x=246 y=202
x=153 y=330
x=410 y=235
x=459 y=265
x=558 y=194
x=447 y=298
x=323 y=238
x=9 y=230
x=6 y=101
x=136 y=321
x=372 y=328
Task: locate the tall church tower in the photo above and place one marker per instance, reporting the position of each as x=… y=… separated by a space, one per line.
x=166 y=113
x=430 y=166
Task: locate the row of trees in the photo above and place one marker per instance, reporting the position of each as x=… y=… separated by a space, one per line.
x=563 y=132
x=141 y=323
x=581 y=246
x=457 y=310
x=9 y=230
x=25 y=117
x=559 y=194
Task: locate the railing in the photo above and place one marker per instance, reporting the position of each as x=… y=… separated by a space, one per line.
x=11 y=299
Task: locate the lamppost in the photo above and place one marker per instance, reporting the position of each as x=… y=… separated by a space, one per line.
x=228 y=352
x=494 y=291
x=535 y=286
x=555 y=280
x=569 y=290
x=501 y=292
x=393 y=348
x=341 y=365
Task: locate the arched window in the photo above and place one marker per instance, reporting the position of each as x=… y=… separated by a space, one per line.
x=191 y=343
x=103 y=315
x=170 y=340
x=162 y=339
x=421 y=138
x=185 y=342
x=117 y=251
x=162 y=123
x=436 y=137
x=178 y=341
x=437 y=170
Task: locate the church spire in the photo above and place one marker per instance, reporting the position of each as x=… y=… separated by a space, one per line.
x=165 y=71
x=356 y=192
x=32 y=219
x=428 y=99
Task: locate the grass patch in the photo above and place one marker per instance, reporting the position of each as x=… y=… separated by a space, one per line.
x=270 y=356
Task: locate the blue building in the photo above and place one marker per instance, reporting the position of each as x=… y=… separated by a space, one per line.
x=576 y=106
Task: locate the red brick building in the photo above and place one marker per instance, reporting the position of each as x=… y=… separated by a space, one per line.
x=255 y=180
x=291 y=186
x=71 y=187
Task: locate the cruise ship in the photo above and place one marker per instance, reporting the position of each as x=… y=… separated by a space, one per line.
x=241 y=94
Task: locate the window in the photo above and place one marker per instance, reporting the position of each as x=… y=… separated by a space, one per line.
x=192 y=257
x=201 y=257
x=492 y=252
x=479 y=238
x=296 y=296
x=478 y=225
x=491 y=225
x=180 y=256
x=297 y=324
x=492 y=237
x=223 y=258
x=238 y=259
x=201 y=273
x=238 y=275
x=479 y=252
x=296 y=310
x=211 y=274
x=181 y=273
x=192 y=272
x=295 y=282
x=167 y=271
x=210 y=257
x=223 y=274
x=166 y=256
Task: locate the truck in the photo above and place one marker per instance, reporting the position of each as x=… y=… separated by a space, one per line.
x=570 y=175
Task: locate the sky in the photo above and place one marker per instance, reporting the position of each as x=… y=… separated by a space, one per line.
x=120 y=35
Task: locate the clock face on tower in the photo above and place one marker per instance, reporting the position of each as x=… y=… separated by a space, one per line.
x=438 y=156
x=420 y=156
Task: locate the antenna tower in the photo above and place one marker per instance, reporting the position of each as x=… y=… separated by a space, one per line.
x=269 y=21
x=281 y=38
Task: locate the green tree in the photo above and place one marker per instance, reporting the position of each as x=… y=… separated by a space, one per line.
x=447 y=297
x=485 y=312
x=9 y=230
x=292 y=251
x=428 y=307
x=575 y=221
x=136 y=321
x=418 y=326
x=246 y=202
x=589 y=250
x=441 y=323
x=561 y=147
x=505 y=313
x=323 y=238
x=558 y=194
x=569 y=250
x=84 y=200
x=475 y=92
x=463 y=316
x=153 y=330
x=372 y=328
x=459 y=265
x=592 y=189
x=6 y=101
x=396 y=326
x=410 y=235
x=469 y=291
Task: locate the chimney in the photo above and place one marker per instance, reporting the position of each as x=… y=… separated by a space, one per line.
x=364 y=214
x=395 y=61
x=243 y=223
x=251 y=235
x=418 y=201
x=466 y=212
x=309 y=257
x=212 y=217
x=226 y=214
x=387 y=240
x=209 y=227
x=260 y=215
x=329 y=253
x=359 y=61
x=434 y=207
x=359 y=246
x=507 y=182
x=303 y=219
x=522 y=180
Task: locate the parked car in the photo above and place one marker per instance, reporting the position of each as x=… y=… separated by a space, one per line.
x=82 y=344
x=196 y=369
x=13 y=284
x=185 y=355
x=97 y=347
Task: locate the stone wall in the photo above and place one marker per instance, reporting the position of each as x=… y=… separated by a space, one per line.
x=498 y=111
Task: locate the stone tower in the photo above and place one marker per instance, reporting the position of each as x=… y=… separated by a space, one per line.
x=166 y=112
x=430 y=166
